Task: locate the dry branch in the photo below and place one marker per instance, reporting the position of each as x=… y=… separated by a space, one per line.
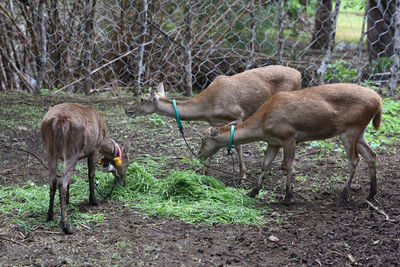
x=380 y=211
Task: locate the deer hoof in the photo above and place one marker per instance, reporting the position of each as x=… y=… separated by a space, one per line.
x=66 y=228
x=50 y=216
x=93 y=202
x=371 y=197
x=253 y=193
x=344 y=196
x=287 y=201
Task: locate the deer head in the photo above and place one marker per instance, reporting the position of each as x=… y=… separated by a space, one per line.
x=146 y=104
x=116 y=161
x=209 y=143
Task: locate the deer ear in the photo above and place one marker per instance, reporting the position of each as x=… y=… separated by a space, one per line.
x=214 y=132
x=233 y=123
x=154 y=96
x=160 y=89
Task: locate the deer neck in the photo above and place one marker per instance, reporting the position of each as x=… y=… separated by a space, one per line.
x=188 y=109
x=245 y=132
x=108 y=149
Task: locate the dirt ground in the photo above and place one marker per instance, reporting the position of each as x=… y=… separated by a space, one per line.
x=314 y=231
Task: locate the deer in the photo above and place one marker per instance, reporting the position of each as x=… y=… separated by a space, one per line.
x=227 y=99
x=314 y=113
x=71 y=132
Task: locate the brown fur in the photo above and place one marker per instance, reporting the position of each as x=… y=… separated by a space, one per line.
x=314 y=113
x=72 y=132
x=226 y=99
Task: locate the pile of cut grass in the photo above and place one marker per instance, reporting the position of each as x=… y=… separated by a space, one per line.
x=183 y=194
x=188 y=196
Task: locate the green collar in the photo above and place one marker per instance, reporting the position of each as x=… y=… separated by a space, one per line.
x=178 y=120
x=231 y=139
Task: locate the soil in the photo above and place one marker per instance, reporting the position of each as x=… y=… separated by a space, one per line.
x=313 y=231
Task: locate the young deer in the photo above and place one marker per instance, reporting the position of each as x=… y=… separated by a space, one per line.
x=72 y=132
x=314 y=113
x=226 y=99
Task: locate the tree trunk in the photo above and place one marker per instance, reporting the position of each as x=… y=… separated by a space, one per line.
x=323 y=24
x=380 y=28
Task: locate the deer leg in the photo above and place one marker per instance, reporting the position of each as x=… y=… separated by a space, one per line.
x=242 y=167
x=289 y=151
x=270 y=155
x=350 y=143
x=206 y=167
x=69 y=167
x=92 y=172
x=370 y=157
x=67 y=199
x=53 y=185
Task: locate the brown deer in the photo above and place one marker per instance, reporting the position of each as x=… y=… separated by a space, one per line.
x=72 y=132
x=315 y=113
x=226 y=99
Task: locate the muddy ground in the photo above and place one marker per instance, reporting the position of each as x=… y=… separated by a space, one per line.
x=314 y=231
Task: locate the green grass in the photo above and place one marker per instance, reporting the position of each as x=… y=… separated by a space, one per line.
x=348 y=28
x=389 y=132
x=183 y=194
x=188 y=196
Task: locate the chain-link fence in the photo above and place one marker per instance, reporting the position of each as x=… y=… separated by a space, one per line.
x=91 y=45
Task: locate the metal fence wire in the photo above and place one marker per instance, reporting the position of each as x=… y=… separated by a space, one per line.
x=93 y=45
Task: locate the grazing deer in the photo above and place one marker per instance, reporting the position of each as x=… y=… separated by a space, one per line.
x=72 y=132
x=226 y=99
x=314 y=113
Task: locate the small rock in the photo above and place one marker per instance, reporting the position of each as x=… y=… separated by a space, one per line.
x=273 y=238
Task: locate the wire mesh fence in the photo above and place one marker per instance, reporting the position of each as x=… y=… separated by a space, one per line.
x=88 y=45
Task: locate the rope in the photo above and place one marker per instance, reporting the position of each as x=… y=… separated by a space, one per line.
x=109 y=194
x=178 y=121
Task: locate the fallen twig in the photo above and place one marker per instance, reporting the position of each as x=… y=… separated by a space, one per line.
x=12 y=241
x=380 y=211
x=33 y=154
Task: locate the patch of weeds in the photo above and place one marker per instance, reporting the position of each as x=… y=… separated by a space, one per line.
x=341 y=71
x=335 y=178
x=389 y=131
x=302 y=178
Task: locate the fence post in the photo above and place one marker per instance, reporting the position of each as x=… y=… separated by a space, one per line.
x=187 y=60
x=324 y=65
x=396 y=50
x=250 y=60
x=360 y=45
x=281 y=41
x=141 y=67
x=89 y=15
x=41 y=61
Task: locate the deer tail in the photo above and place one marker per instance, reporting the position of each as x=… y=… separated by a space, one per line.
x=378 y=117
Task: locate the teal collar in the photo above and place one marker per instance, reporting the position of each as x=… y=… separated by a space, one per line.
x=231 y=139
x=178 y=120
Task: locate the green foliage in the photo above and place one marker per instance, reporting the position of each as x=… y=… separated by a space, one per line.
x=353 y=6
x=341 y=71
x=389 y=131
x=380 y=65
